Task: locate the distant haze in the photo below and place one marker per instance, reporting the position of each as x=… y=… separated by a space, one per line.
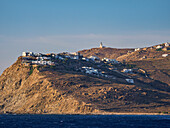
x=72 y=25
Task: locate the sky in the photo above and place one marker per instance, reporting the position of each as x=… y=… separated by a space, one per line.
x=70 y=25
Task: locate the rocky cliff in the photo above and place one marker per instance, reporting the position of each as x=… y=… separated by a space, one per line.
x=38 y=90
x=26 y=91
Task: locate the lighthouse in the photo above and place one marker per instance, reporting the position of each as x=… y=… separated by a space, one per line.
x=101 y=45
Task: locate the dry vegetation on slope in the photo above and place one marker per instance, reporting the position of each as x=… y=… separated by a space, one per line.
x=149 y=59
x=111 y=53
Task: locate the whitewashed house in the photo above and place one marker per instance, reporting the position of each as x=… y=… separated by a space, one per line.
x=131 y=81
x=27 y=54
x=159 y=47
x=127 y=70
x=24 y=54
x=137 y=49
x=94 y=58
x=43 y=58
x=86 y=59
x=90 y=70
x=164 y=55
x=167 y=44
x=42 y=62
x=76 y=57
x=106 y=59
x=110 y=60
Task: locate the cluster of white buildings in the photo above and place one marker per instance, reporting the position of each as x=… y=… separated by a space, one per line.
x=37 y=58
x=96 y=72
x=90 y=70
x=64 y=55
x=47 y=59
x=78 y=56
x=32 y=54
x=24 y=54
x=164 y=47
x=158 y=47
x=97 y=60
x=110 y=60
x=42 y=62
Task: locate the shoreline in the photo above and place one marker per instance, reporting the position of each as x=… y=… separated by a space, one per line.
x=84 y=114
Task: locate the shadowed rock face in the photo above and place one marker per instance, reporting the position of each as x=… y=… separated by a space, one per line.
x=63 y=91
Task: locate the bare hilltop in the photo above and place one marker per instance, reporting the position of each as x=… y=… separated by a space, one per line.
x=94 y=81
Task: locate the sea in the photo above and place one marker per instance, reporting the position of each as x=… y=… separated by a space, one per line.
x=84 y=121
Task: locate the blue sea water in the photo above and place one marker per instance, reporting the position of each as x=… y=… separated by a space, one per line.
x=84 y=121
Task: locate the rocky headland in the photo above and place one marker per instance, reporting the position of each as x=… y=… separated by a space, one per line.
x=130 y=81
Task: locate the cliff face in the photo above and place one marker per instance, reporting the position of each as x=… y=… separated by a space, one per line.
x=25 y=92
x=45 y=90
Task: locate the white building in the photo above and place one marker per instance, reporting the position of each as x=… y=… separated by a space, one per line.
x=43 y=58
x=90 y=70
x=94 y=58
x=127 y=70
x=76 y=57
x=43 y=62
x=110 y=60
x=27 y=54
x=159 y=47
x=131 y=81
x=164 y=55
x=106 y=59
x=137 y=49
x=24 y=54
x=167 y=44
x=86 y=59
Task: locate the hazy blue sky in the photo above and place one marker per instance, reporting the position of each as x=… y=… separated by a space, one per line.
x=71 y=25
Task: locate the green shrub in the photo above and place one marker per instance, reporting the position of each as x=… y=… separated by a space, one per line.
x=31 y=70
x=165 y=112
x=159 y=49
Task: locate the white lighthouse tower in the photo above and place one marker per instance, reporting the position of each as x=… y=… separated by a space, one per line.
x=101 y=45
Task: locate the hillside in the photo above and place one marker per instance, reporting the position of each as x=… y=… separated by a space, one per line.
x=63 y=89
x=149 y=59
x=111 y=53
